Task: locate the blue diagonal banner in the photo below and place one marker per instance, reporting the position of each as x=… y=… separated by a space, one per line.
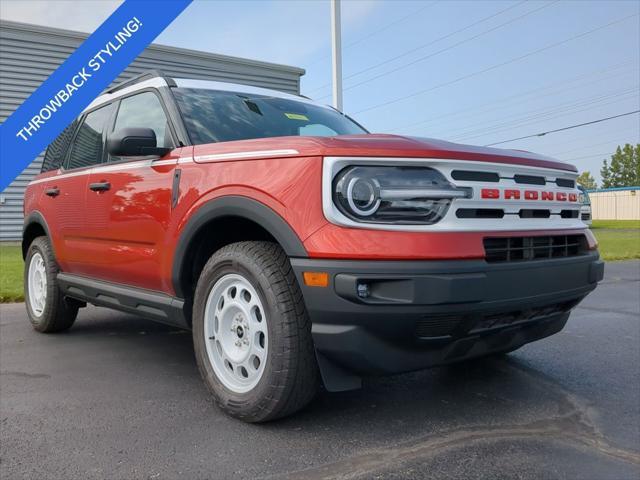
x=80 y=79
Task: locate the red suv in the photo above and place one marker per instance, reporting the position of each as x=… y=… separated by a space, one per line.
x=294 y=244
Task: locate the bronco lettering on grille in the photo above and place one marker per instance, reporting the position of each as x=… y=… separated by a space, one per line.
x=511 y=194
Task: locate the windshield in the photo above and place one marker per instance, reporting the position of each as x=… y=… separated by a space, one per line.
x=221 y=116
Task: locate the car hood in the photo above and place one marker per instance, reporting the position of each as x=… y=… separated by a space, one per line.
x=375 y=145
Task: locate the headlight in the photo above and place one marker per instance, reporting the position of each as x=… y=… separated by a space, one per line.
x=395 y=195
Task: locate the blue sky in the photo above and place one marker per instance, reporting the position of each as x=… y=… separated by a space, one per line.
x=469 y=71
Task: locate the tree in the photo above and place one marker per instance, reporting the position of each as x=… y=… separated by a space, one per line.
x=637 y=156
x=615 y=168
x=637 y=167
x=629 y=162
x=624 y=169
x=605 y=173
x=587 y=181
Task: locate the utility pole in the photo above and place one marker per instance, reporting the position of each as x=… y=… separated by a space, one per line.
x=336 y=50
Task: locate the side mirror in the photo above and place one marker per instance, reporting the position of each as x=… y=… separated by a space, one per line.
x=135 y=141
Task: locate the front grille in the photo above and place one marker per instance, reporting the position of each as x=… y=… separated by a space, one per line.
x=563 y=182
x=514 y=249
x=530 y=179
x=471 y=176
x=534 y=213
x=522 y=213
x=569 y=213
x=506 y=319
x=439 y=327
x=479 y=213
x=480 y=176
x=436 y=326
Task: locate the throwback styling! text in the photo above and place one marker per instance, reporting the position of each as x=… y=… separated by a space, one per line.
x=84 y=75
x=79 y=79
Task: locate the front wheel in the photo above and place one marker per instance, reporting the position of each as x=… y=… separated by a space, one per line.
x=48 y=310
x=252 y=334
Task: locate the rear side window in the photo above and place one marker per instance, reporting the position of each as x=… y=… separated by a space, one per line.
x=88 y=144
x=145 y=110
x=57 y=150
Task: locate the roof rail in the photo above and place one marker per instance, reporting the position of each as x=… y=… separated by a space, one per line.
x=140 y=78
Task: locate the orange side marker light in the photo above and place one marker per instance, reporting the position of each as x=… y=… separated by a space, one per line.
x=316 y=279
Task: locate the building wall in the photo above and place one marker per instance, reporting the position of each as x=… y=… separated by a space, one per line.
x=616 y=204
x=29 y=54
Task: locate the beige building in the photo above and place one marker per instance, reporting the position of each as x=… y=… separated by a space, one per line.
x=616 y=203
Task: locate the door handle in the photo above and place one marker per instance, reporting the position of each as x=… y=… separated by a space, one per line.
x=52 y=192
x=100 y=186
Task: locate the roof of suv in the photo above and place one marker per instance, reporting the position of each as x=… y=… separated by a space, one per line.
x=157 y=80
x=235 y=87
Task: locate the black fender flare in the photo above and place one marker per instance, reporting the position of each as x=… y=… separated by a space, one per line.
x=234 y=206
x=34 y=217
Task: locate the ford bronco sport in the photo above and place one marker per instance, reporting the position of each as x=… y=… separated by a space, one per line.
x=296 y=246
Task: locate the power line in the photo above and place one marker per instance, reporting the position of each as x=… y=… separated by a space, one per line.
x=386 y=27
x=514 y=119
x=542 y=134
x=519 y=117
x=618 y=133
x=375 y=32
x=546 y=114
x=527 y=93
x=585 y=147
x=461 y=42
x=540 y=120
x=420 y=47
x=587 y=156
x=498 y=65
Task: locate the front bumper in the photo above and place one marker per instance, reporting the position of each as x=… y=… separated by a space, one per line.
x=425 y=313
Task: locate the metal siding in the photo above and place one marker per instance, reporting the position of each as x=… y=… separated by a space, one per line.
x=31 y=53
x=615 y=204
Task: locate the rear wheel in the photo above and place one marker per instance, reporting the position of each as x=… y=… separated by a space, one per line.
x=252 y=334
x=48 y=310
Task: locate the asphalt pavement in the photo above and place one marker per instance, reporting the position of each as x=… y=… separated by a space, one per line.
x=119 y=397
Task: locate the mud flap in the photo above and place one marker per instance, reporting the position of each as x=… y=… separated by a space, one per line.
x=336 y=378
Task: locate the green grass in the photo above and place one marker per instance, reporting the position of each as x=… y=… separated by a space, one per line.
x=617 y=239
x=618 y=244
x=11 y=274
x=615 y=224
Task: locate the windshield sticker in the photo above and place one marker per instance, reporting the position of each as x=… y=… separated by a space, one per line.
x=296 y=116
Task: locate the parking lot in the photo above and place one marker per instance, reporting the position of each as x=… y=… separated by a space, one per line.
x=120 y=397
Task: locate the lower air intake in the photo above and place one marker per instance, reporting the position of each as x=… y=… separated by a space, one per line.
x=517 y=249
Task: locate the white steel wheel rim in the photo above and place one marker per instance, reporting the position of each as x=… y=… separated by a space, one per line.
x=37 y=284
x=235 y=333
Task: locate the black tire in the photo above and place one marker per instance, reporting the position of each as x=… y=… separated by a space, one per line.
x=58 y=314
x=290 y=378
